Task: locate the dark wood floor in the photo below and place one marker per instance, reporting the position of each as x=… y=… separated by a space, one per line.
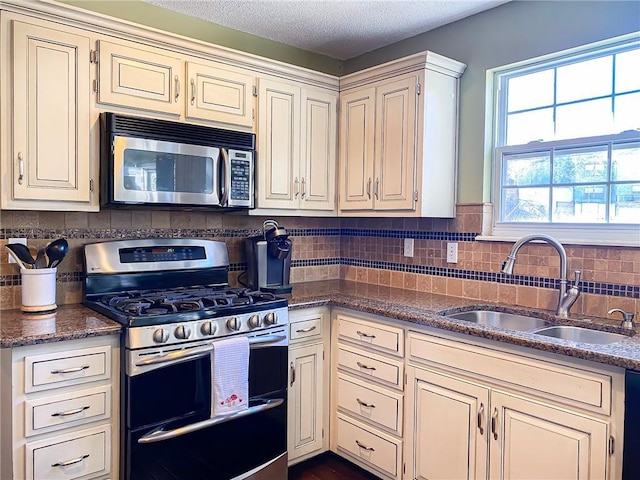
x=328 y=466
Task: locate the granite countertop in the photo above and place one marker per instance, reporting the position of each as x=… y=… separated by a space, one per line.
x=419 y=308
x=68 y=322
x=427 y=309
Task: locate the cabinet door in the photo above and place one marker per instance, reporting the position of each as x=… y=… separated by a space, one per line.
x=278 y=165
x=219 y=95
x=305 y=407
x=134 y=76
x=534 y=440
x=357 y=118
x=446 y=427
x=395 y=145
x=318 y=149
x=51 y=156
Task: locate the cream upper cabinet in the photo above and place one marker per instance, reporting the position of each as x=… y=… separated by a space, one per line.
x=135 y=76
x=278 y=156
x=398 y=142
x=220 y=95
x=296 y=152
x=318 y=149
x=47 y=117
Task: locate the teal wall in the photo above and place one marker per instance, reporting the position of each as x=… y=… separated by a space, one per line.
x=512 y=32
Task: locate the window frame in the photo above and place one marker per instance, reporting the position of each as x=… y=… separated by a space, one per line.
x=576 y=233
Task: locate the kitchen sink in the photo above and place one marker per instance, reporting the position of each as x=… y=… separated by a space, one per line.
x=581 y=335
x=508 y=321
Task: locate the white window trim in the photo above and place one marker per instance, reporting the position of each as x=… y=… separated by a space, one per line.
x=575 y=233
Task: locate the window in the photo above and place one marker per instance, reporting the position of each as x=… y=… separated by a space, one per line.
x=567 y=146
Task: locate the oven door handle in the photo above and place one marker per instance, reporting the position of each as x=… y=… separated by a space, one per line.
x=265 y=341
x=177 y=355
x=160 y=435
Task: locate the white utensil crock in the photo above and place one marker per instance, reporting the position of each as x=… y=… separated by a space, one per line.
x=38 y=289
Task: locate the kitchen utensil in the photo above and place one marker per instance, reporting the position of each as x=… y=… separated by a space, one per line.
x=17 y=259
x=41 y=260
x=23 y=254
x=56 y=251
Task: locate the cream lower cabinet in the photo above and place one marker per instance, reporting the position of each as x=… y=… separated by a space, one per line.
x=478 y=413
x=296 y=167
x=60 y=410
x=47 y=152
x=308 y=384
x=367 y=392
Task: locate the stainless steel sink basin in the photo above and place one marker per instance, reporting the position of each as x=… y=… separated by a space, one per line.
x=508 y=321
x=581 y=335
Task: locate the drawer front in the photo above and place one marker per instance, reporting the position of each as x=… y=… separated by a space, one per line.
x=375 y=450
x=369 y=403
x=85 y=453
x=383 y=338
x=67 y=368
x=560 y=383
x=305 y=330
x=61 y=411
x=371 y=366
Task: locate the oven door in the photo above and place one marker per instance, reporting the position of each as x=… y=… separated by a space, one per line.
x=168 y=432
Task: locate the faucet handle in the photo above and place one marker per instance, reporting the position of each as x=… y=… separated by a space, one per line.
x=578 y=275
x=627 y=317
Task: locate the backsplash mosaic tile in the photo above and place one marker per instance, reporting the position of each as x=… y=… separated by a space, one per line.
x=360 y=249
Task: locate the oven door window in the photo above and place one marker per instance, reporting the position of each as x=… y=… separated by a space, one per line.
x=165 y=172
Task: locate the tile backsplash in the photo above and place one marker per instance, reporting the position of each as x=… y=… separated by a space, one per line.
x=363 y=250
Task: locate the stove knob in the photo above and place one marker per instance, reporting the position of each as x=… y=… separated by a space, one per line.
x=233 y=324
x=182 y=332
x=254 y=321
x=160 y=335
x=208 y=328
x=270 y=318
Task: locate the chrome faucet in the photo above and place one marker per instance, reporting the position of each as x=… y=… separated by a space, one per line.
x=567 y=297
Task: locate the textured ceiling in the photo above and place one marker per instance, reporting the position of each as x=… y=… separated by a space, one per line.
x=340 y=29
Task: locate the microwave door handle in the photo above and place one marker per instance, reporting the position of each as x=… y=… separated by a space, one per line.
x=226 y=176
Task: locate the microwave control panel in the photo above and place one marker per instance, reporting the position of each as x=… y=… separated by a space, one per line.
x=241 y=181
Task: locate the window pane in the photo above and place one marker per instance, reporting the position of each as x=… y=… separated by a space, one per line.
x=530 y=126
x=625 y=203
x=584 y=119
x=580 y=204
x=530 y=91
x=627 y=77
x=627 y=112
x=526 y=169
x=525 y=205
x=582 y=80
x=581 y=165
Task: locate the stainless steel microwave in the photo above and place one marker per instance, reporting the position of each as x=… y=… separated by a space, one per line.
x=149 y=162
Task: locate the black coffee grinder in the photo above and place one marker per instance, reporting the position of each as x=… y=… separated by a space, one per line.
x=268 y=260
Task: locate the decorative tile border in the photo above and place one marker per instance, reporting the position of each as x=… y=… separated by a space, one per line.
x=416 y=234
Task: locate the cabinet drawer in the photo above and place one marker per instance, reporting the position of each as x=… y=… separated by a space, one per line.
x=561 y=383
x=60 y=411
x=305 y=330
x=66 y=368
x=76 y=455
x=376 y=450
x=371 y=366
x=383 y=338
x=370 y=403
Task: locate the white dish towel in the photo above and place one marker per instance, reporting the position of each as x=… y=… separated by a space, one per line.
x=229 y=376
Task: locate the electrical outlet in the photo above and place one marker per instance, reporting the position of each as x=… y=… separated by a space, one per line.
x=23 y=241
x=452 y=252
x=408 y=247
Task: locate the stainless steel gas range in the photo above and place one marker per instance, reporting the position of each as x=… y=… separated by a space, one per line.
x=173 y=298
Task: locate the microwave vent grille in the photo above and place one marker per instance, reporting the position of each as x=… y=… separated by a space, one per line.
x=179 y=132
